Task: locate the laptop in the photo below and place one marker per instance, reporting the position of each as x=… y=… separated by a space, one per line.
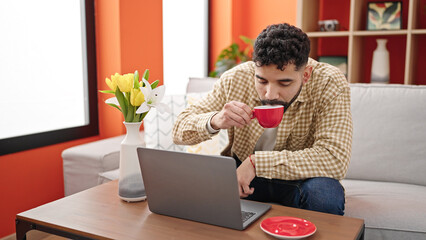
x=195 y=187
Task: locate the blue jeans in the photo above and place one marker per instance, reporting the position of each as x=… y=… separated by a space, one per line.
x=320 y=194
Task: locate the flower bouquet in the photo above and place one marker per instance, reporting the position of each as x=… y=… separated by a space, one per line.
x=134 y=99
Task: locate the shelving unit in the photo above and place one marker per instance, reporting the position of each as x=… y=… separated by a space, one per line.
x=406 y=46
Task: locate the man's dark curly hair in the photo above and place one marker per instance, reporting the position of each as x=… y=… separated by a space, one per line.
x=281 y=44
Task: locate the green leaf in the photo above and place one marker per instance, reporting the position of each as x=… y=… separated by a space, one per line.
x=136 y=80
x=247 y=40
x=113 y=105
x=130 y=114
x=143 y=115
x=106 y=91
x=137 y=118
x=127 y=96
x=146 y=74
x=122 y=100
x=235 y=47
x=155 y=84
x=213 y=74
x=246 y=53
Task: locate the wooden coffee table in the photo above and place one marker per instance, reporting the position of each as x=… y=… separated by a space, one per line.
x=98 y=213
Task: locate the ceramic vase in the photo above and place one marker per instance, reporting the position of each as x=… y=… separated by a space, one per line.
x=130 y=183
x=380 y=65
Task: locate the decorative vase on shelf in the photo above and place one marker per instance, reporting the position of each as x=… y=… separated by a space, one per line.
x=380 y=65
x=130 y=183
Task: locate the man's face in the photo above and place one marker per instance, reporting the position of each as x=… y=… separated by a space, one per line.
x=280 y=87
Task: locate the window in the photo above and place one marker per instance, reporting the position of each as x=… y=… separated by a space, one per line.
x=185 y=42
x=48 y=73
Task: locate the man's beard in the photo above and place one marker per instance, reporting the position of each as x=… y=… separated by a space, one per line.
x=279 y=102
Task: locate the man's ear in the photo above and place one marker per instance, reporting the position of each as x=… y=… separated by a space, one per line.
x=307 y=73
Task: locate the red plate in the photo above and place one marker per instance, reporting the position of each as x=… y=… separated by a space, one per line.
x=288 y=227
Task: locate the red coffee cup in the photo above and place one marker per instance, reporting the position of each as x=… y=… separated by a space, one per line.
x=268 y=116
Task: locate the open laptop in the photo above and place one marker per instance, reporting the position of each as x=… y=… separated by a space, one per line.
x=201 y=188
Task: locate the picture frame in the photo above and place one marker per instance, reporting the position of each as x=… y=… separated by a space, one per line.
x=341 y=62
x=384 y=15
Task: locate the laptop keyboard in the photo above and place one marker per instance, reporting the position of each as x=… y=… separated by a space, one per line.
x=246 y=215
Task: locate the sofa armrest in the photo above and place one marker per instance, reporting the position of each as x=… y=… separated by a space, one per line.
x=82 y=164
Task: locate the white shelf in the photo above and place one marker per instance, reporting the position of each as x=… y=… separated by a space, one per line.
x=328 y=34
x=380 y=33
x=418 y=31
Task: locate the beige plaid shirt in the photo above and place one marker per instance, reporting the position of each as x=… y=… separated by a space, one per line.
x=315 y=135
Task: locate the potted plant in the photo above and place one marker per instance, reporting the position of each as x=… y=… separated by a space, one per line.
x=232 y=56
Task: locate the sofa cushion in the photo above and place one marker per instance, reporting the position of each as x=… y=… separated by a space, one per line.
x=389 y=234
x=386 y=206
x=389 y=137
x=203 y=84
x=158 y=126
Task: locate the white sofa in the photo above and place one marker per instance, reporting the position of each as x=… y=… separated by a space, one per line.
x=385 y=184
x=386 y=180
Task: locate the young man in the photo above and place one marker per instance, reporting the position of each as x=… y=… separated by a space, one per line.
x=299 y=163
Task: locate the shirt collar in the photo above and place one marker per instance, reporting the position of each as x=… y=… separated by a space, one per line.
x=303 y=95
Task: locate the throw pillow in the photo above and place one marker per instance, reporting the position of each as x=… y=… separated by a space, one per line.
x=158 y=126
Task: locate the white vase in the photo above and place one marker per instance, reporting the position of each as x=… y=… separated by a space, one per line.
x=130 y=183
x=380 y=65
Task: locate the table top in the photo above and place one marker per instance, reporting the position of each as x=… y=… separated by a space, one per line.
x=99 y=213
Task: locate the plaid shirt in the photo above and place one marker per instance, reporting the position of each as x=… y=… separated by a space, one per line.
x=314 y=137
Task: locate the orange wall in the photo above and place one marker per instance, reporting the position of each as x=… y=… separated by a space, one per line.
x=129 y=37
x=109 y=61
x=143 y=33
x=231 y=18
x=220 y=29
x=29 y=179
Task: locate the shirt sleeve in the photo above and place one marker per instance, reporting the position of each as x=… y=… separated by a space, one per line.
x=209 y=126
x=191 y=125
x=330 y=154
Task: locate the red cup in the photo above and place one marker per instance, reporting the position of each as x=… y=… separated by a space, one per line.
x=268 y=116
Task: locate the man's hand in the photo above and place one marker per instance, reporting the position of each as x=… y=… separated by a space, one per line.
x=245 y=174
x=232 y=114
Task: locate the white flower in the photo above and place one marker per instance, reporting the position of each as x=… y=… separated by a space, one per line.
x=112 y=100
x=153 y=98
